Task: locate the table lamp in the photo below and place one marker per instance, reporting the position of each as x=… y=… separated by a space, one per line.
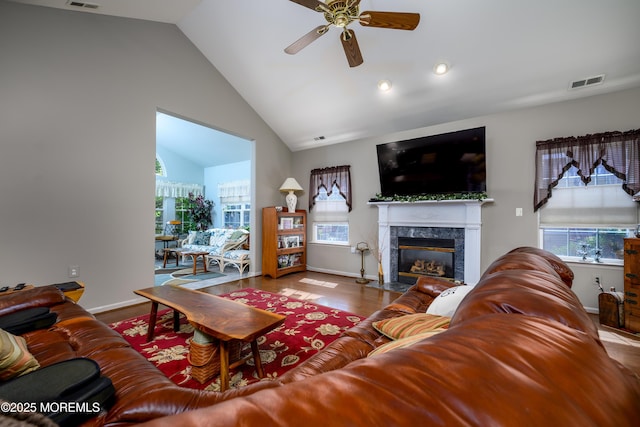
x=291 y=185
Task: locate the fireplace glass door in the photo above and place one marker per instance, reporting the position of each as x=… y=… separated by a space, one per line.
x=425 y=257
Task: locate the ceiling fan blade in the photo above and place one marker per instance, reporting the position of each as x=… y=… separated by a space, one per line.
x=392 y=20
x=351 y=48
x=306 y=40
x=312 y=4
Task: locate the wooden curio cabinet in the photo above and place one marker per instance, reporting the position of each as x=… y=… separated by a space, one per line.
x=632 y=284
x=284 y=242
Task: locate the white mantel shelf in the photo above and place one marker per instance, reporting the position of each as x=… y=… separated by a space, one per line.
x=465 y=214
x=446 y=201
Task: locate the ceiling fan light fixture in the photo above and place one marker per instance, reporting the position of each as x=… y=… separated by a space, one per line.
x=384 y=85
x=341 y=13
x=441 y=68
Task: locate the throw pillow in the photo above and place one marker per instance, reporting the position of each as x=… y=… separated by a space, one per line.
x=202 y=238
x=447 y=302
x=410 y=324
x=404 y=342
x=15 y=359
x=191 y=237
x=237 y=235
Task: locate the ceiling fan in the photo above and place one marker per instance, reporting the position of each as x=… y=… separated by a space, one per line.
x=340 y=13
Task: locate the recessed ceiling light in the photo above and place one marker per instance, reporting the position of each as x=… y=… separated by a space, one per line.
x=441 y=68
x=384 y=85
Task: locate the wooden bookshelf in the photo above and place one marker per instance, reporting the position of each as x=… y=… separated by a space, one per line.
x=284 y=241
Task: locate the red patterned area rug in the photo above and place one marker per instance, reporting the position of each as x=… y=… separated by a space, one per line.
x=308 y=329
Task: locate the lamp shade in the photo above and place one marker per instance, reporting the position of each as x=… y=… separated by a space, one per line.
x=290 y=184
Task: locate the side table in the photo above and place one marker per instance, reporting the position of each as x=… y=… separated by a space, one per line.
x=194 y=255
x=168 y=251
x=12 y=290
x=72 y=290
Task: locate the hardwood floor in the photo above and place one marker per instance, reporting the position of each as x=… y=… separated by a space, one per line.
x=621 y=346
x=345 y=294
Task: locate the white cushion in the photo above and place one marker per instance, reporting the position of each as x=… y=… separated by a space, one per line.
x=447 y=302
x=191 y=237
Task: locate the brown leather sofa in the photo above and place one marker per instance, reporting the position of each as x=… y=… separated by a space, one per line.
x=520 y=350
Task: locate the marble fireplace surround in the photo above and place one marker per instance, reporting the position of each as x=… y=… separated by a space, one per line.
x=463 y=218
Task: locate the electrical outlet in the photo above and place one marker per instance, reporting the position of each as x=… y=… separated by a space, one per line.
x=353 y=249
x=74 y=271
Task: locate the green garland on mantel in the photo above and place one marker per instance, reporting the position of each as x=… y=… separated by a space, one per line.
x=429 y=197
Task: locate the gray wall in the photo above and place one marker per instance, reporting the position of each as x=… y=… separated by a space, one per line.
x=511 y=141
x=78 y=97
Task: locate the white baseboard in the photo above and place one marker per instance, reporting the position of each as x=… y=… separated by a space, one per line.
x=592 y=310
x=141 y=300
x=117 y=305
x=339 y=273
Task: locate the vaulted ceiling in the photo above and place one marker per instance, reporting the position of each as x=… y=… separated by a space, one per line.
x=502 y=54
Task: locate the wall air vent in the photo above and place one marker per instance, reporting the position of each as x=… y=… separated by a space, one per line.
x=589 y=81
x=83 y=4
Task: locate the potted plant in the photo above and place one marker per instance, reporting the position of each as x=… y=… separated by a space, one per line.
x=200 y=211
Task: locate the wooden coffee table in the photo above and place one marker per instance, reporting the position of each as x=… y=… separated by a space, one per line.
x=221 y=318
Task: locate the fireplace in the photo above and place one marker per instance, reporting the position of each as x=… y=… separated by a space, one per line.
x=425 y=257
x=439 y=223
x=411 y=247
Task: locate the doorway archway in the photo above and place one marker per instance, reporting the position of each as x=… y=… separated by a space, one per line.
x=196 y=154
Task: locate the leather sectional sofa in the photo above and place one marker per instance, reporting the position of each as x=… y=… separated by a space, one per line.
x=519 y=350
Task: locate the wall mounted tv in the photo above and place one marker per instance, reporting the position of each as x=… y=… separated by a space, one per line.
x=449 y=163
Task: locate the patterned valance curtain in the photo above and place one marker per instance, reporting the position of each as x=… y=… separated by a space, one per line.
x=618 y=152
x=177 y=189
x=234 y=191
x=327 y=177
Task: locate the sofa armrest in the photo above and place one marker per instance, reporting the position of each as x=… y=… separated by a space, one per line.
x=420 y=296
x=40 y=296
x=433 y=286
x=234 y=244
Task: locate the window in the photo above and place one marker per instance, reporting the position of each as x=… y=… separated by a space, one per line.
x=336 y=233
x=172 y=203
x=580 y=243
x=236 y=215
x=585 y=223
x=160 y=169
x=330 y=225
x=182 y=205
x=234 y=200
x=581 y=221
x=159 y=214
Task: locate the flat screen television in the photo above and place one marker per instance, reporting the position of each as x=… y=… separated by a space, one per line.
x=448 y=163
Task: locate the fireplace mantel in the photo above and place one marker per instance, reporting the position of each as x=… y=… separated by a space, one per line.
x=466 y=214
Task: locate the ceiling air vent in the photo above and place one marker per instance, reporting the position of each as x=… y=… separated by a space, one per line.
x=83 y=4
x=589 y=81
